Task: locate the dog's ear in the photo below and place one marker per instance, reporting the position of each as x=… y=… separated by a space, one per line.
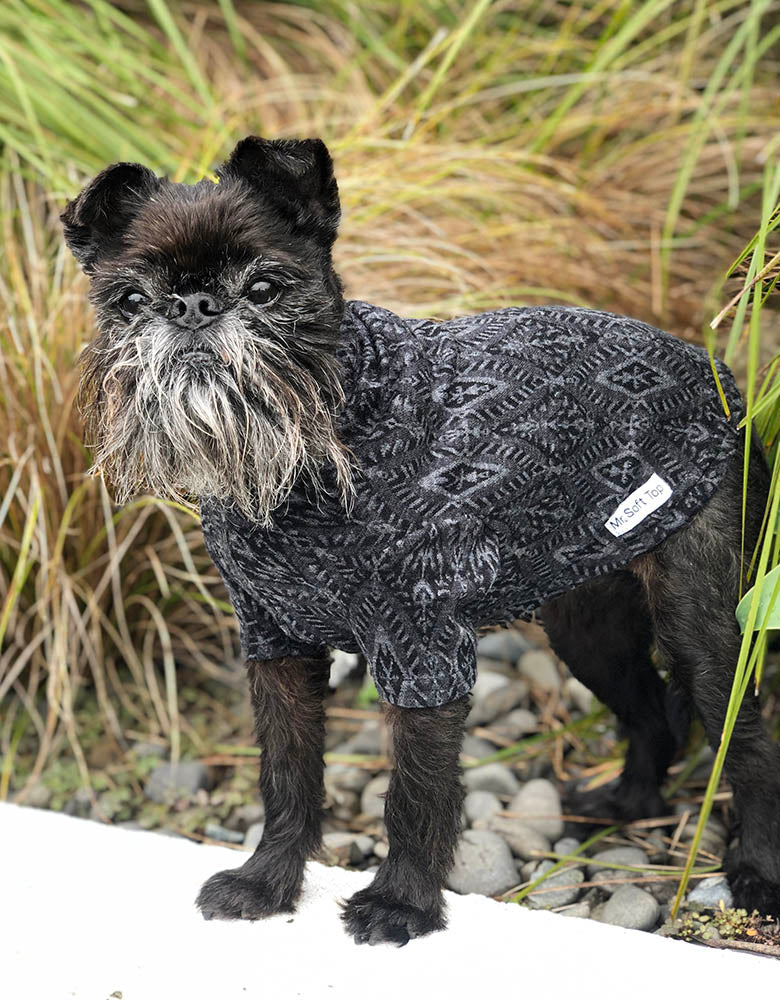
x=97 y=219
x=296 y=177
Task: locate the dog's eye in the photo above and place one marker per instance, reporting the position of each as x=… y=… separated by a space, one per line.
x=263 y=293
x=130 y=303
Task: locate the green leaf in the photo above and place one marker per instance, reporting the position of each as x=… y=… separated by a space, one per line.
x=770 y=587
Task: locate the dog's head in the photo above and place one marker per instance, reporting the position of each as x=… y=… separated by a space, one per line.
x=213 y=372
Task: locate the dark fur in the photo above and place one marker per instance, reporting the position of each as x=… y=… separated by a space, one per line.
x=132 y=230
x=422 y=815
x=287 y=701
x=684 y=594
x=277 y=207
x=692 y=583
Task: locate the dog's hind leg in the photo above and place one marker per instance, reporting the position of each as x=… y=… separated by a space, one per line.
x=692 y=584
x=603 y=631
x=287 y=700
x=422 y=816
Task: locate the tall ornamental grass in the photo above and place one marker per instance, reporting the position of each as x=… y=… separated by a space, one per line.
x=758 y=611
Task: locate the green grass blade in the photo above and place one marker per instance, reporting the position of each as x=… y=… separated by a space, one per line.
x=165 y=19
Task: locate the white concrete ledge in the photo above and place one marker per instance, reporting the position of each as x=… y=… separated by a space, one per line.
x=92 y=912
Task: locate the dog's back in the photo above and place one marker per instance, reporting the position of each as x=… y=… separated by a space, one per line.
x=503 y=459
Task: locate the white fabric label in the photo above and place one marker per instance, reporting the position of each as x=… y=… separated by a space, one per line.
x=635 y=508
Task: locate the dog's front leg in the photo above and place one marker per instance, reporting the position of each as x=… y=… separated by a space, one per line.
x=422 y=816
x=287 y=699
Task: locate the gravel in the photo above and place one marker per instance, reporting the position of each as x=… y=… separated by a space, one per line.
x=710 y=892
x=480 y=805
x=372 y=801
x=365 y=843
x=499 y=701
x=79 y=804
x=581 y=909
x=488 y=681
x=657 y=853
x=475 y=748
x=515 y=725
x=169 y=781
x=351 y=779
x=538 y=804
x=523 y=840
x=600 y=863
x=493 y=694
x=254 y=835
x=144 y=748
x=559 y=889
x=342 y=803
x=483 y=864
x=506 y=645
x=713 y=838
x=578 y=695
x=38 y=796
x=629 y=906
x=497 y=778
x=343 y=847
x=566 y=845
x=218 y=832
x=244 y=816
x=367 y=740
x=540 y=670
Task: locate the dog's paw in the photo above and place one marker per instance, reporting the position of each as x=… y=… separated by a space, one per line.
x=237 y=895
x=373 y=917
x=752 y=892
x=618 y=801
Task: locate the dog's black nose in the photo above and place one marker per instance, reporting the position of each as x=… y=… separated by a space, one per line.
x=194 y=311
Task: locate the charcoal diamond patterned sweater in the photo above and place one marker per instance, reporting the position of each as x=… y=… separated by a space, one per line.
x=503 y=459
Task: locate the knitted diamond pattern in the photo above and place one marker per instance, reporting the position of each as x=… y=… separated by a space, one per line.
x=490 y=451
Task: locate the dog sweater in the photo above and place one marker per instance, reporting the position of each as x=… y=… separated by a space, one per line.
x=501 y=460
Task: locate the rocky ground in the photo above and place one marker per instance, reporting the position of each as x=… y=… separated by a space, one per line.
x=533 y=731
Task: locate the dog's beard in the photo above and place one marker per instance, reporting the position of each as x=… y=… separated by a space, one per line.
x=241 y=424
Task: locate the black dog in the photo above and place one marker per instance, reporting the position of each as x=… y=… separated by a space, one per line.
x=388 y=486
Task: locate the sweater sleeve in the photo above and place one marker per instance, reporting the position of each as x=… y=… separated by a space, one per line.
x=411 y=620
x=413 y=663
x=260 y=634
x=261 y=637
